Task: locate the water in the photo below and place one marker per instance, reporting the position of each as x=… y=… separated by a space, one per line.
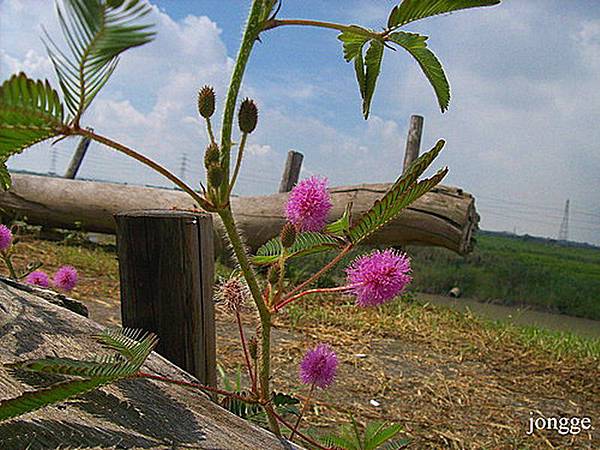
x=519 y=315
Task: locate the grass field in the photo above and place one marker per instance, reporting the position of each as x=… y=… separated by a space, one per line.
x=451 y=379
x=506 y=270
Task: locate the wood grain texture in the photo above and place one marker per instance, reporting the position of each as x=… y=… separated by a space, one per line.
x=291 y=171
x=129 y=414
x=166 y=268
x=444 y=217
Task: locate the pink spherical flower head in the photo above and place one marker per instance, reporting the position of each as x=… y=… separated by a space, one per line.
x=38 y=278
x=319 y=366
x=6 y=237
x=65 y=278
x=308 y=204
x=378 y=277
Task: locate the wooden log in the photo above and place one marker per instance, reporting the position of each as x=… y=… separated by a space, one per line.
x=413 y=141
x=445 y=217
x=166 y=267
x=291 y=171
x=129 y=414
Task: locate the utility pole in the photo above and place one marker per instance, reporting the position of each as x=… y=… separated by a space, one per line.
x=78 y=156
x=183 y=166
x=563 y=232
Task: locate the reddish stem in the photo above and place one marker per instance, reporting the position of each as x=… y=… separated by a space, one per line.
x=302 y=435
x=245 y=350
x=200 y=386
x=304 y=408
x=310 y=291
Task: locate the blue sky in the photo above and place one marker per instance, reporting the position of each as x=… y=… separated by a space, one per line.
x=522 y=127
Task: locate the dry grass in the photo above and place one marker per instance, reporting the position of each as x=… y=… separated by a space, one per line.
x=452 y=380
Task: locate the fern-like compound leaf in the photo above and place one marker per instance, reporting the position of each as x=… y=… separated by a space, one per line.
x=30 y=112
x=67 y=366
x=416 y=45
x=306 y=243
x=379 y=434
x=96 y=32
x=411 y=10
x=402 y=193
x=341 y=226
x=32 y=400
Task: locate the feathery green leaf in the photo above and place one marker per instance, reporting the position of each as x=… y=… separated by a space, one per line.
x=341 y=226
x=30 y=112
x=32 y=400
x=306 y=243
x=411 y=10
x=416 y=45
x=96 y=32
x=379 y=435
x=402 y=193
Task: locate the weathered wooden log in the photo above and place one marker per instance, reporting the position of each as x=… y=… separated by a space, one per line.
x=129 y=414
x=445 y=217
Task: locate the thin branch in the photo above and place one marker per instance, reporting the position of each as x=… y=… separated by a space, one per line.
x=245 y=349
x=301 y=435
x=288 y=300
x=321 y=271
x=304 y=408
x=274 y=23
x=200 y=386
x=238 y=163
x=144 y=160
x=210 y=131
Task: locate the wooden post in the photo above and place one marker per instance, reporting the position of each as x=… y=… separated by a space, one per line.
x=78 y=156
x=291 y=172
x=413 y=140
x=166 y=264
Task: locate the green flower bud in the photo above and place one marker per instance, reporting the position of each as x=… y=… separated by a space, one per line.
x=215 y=175
x=211 y=155
x=288 y=235
x=206 y=102
x=248 y=116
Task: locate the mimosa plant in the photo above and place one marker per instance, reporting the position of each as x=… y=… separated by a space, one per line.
x=97 y=32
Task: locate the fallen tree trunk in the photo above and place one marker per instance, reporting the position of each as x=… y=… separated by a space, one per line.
x=445 y=217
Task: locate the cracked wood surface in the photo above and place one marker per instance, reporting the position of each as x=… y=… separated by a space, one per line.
x=128 y=414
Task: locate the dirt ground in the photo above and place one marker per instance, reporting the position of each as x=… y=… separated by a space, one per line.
x=448 y=379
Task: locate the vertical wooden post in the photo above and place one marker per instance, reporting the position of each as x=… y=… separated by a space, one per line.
x=78 y=156
x=291 y=172
x=413 y=140
x=166 y=264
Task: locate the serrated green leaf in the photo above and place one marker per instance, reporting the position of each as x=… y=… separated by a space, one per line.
x=32 y=400
x=411 y=10
x=338 y=442
x=341 y=226
x=352 y=44
x=416 y=45
x=67 y=366
x=135 y=345
x=30 y=112
x=96 y=33
x=373 y=57
x=306 y=243
x=402 y=193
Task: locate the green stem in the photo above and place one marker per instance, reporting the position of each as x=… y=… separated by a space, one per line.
x=9 y=266
x=253 y=28
x=264 y=372
x=210 y=131
x=238 y=163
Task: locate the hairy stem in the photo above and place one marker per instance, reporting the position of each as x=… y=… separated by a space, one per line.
x=238 y=163
x=264 y=372
x=320 y=272
x=245 y=348
x=253 y=28
x=211 y=136
x=288 y=299
x=9 y=266
x=303 y=436
x=274 y=23
x=304 y=408
x=200 y=386
x=144 y=160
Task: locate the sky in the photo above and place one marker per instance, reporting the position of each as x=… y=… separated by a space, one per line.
x=522 y=130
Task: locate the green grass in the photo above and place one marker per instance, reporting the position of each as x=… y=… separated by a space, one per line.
x=503 y=269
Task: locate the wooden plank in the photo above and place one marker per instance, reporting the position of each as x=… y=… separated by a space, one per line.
x=128 y=414
x=78 y=156
x=166 y=266
x=291 y=171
